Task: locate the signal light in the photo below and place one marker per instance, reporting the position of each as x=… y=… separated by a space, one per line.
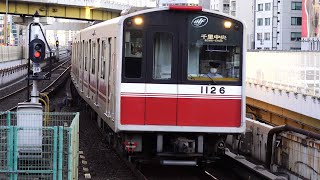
x=37 y=54
x=37 y=47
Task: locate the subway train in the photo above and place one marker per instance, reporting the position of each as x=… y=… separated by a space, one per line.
x=166 y=84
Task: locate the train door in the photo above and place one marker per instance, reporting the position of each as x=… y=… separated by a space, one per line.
x=102 y=82
x=161 y=81
x=112 y=79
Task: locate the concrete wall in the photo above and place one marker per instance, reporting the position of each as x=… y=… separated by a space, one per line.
x=299 y=154
x=293 y=154
x=11 y=74
x=286 y=70
x=285 y=79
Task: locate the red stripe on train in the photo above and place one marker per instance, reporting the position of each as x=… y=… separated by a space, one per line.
x=181 y=111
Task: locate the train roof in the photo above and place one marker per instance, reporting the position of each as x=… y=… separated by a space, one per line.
x=137 y=11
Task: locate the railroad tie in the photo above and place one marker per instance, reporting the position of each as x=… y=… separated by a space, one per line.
x=84 y=163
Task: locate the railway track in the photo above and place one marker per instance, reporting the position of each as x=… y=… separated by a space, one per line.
x=21 y=83
x=103 y=161
x=9 y=101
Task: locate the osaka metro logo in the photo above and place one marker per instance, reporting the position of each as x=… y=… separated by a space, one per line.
x=199 y=21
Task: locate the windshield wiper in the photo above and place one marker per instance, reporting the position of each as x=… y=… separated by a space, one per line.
x=213 y=81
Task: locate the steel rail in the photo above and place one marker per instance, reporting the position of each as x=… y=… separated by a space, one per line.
x=49 y=86
x=21 y=89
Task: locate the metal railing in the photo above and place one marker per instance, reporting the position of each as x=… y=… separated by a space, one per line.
x=296 y=72
x=32 y=149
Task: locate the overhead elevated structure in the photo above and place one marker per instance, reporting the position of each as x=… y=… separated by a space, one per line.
x=283 y=87
x=70 y=9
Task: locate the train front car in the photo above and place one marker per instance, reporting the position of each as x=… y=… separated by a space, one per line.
x=182 y=83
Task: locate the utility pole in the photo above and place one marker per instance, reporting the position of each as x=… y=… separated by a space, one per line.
x=5 y=26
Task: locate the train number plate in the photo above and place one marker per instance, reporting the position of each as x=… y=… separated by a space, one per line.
x=212 y=90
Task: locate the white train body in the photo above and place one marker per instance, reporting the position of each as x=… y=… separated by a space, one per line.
x=147 y=73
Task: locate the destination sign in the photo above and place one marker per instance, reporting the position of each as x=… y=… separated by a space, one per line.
x=213 y=37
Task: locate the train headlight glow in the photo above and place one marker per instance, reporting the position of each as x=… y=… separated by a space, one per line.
x=227 y=24
x=138 y=21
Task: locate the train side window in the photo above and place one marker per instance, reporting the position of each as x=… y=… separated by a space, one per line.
x=98 y=56
x=76 y=55
x=103 y=60
x=93 y=57
x=133 y=53
x=162 y=55
x=86 y=57
x=109 y=57
x=82 y=52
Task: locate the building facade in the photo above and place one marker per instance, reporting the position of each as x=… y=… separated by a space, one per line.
x=162 y=3
x=241 y=9
x=310 y=25
x=224 y=6
x=278 y=24
x=12 y=31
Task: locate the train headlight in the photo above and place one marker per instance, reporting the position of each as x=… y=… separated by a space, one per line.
x=138 y=21
x=227 y=24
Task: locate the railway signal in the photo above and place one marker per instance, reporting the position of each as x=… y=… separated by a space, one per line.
x=57 y=43
x=37 y=51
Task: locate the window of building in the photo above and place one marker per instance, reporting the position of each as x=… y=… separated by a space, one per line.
x=296 y=5
x=295 y=48
x=226 y=8
x=260 y=7
x=267 y=6
x=266 y=36
x=259 y=36
x=295 y=36
x=296 y=21
x=233 y=6
x=267 y=21
x=260 y=21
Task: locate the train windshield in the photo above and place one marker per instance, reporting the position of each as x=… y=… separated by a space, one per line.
x=214 y=49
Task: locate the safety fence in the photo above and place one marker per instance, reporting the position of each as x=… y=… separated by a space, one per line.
x=296 y=72
x=39 y=145
x=9 y=53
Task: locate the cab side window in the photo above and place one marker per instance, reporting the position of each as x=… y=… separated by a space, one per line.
x=133 y=54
